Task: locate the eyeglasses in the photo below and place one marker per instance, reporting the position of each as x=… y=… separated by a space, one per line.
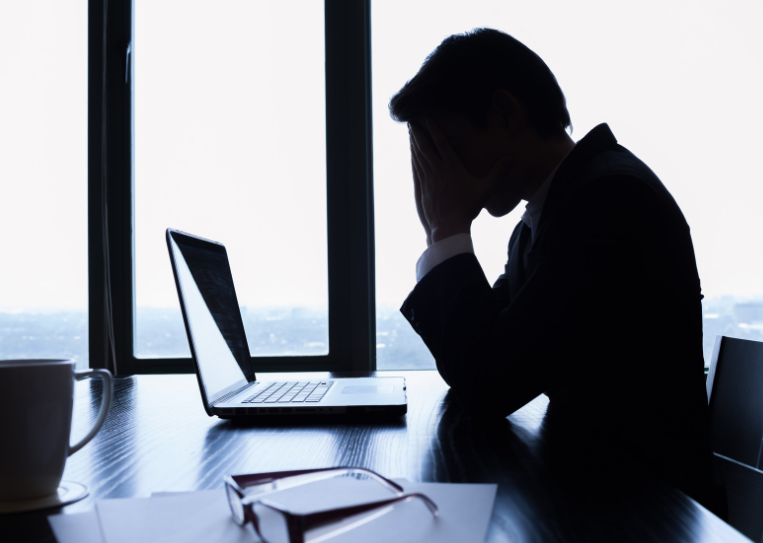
x=277 y=525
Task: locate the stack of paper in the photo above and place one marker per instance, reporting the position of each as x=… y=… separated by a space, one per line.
x=204 y=516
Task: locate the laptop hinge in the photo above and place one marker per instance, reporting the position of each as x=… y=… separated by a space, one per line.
x=230 y=394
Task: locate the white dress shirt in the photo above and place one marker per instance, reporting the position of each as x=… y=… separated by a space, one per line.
x=439 y=252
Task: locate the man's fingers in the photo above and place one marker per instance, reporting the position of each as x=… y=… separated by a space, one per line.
x=422 y=164
x=426 y=151
x=415 y=168
x=418 y=174
x=444 y=149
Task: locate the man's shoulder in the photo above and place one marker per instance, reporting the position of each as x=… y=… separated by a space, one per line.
x=596 y=158
x=614 y=194
x=616 y=177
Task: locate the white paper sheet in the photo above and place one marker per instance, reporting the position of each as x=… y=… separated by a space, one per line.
x=464 y=514
x=184 y=518
x=76 y=528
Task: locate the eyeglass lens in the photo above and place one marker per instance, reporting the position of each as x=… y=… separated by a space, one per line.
x=273 y=525
x=236 y=507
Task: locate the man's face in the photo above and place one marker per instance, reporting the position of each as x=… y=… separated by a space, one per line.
x=479 y=148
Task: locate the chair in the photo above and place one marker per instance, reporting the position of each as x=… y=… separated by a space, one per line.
x=735 y=396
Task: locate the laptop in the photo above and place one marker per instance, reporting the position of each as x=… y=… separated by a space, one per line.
x=224 y=367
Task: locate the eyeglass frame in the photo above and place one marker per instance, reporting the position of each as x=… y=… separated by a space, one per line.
x=297 y=524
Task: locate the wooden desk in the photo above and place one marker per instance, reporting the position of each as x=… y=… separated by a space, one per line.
x=158 y=438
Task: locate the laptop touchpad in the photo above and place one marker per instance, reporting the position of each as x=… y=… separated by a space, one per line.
x=368 y=389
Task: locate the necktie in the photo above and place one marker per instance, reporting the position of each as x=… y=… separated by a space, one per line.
x=517 y=257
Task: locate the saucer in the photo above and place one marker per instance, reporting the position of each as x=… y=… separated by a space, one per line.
x=68 y=492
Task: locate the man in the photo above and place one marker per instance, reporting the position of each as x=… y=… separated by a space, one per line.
x=600 y=305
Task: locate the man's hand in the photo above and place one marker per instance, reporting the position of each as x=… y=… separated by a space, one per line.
x=448 y=197
x=417 y=188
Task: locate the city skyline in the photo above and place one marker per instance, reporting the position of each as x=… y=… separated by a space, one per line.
x=287 y=331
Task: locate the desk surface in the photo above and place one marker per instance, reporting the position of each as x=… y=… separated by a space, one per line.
x=157 y=437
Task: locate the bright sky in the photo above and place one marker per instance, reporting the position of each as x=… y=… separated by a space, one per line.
x=230 y=144
x=679 y=83
x=230 y=128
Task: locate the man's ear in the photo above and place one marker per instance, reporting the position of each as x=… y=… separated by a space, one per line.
x=509 y=111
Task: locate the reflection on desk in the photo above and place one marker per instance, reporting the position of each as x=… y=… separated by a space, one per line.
x=157 y=437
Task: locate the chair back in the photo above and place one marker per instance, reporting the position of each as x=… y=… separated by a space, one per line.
x=735 y=396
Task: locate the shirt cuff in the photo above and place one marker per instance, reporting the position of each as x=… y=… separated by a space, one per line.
x=439 y=252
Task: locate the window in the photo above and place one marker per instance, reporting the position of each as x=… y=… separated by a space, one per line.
x=678 y=83
x=238 y=156
x=247 y=123
x=43 y=211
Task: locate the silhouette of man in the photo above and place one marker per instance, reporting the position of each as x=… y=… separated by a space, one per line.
x=600 y=303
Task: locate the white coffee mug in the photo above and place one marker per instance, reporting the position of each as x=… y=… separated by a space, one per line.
x=36 y=401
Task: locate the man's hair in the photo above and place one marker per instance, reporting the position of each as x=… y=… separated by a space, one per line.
x=463 y=73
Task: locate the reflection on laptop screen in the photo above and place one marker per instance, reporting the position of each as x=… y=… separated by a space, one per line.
x=213 y=316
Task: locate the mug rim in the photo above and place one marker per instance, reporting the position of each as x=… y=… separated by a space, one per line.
x=34 y=362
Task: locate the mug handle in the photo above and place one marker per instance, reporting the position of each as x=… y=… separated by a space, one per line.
x=105 y=405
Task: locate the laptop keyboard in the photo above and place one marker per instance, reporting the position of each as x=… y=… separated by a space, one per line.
x=290 y=392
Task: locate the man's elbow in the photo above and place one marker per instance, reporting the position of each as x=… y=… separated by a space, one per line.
x=490 y=402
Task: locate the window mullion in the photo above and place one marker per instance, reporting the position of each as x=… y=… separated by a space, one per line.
x=110 y=154
x=352 y=326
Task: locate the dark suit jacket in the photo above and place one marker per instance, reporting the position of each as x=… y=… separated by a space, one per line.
x=606 y=320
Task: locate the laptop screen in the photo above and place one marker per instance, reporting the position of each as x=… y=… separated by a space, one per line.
x=212 y=315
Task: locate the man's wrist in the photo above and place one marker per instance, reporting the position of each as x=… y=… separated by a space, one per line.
x=442 y=251
x=439 y=233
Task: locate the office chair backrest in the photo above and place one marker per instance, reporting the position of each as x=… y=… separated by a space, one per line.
x=735 y=396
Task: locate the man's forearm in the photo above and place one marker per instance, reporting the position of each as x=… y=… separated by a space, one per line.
x=453 y=311
x=493 y=357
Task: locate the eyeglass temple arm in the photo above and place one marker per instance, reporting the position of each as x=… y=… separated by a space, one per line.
x=313 y=520
x=261 y=478
x=279 y=479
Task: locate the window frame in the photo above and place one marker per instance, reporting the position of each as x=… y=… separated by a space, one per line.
x=349 y=194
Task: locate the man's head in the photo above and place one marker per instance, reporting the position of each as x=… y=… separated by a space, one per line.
x=493 y=97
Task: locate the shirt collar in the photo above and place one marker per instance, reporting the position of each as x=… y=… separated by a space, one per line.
x=534 y=207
